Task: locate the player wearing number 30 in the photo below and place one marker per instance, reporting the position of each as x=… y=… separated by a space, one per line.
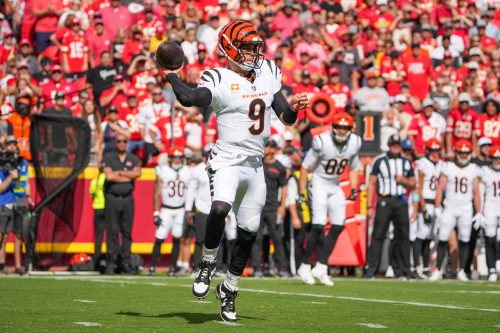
x=243 y=95
x=490 y=176
x=459 y=180
x=331 y=153
x=169 y=199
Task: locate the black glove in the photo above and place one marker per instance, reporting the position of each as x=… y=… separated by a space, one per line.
x=427 y=217
x=354 y=195
x=157 y=220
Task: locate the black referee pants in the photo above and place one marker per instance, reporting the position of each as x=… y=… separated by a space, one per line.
x=270 y=220
x=396 y=210
x=119 y=214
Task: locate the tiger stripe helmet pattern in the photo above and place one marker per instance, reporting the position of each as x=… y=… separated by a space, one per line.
x=342 y=120
x=238 y=40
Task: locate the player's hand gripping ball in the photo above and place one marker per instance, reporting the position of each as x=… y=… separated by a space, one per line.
x=169 y=56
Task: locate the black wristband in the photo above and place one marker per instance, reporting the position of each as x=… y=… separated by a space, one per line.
x=289 y=116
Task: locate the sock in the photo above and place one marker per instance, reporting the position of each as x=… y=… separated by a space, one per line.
x=156 y=252
x=216 y=221
x=426 y=252
x=442 y=248
x=175 y=250
x=312 y=239
x=232 y=281
x=490 y=252
x=417 y=249
x=463 y=250
x=210 y=254
x=329 y=243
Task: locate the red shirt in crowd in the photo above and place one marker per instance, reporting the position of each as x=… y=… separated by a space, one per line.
x=131 y=48
x=418 y=72
x=75 y=46
x=460 y=125
x=149 y=28
x=340 y=94
x=486 y=126
x=119 y=101
x=50 y=89
x=99 y=44
x=423 y=129
x=47 y=22
x=165 y=126
x=131 y=116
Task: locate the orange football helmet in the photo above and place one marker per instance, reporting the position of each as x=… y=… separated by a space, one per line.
x=175 y=151
x=238 y=40
x=342 y=121
x=463 y=147
x=433 y=149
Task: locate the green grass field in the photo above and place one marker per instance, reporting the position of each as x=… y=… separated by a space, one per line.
x=161 y=304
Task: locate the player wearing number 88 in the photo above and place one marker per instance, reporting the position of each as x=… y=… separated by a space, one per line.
x=428 y=169
x=330 y=155
x=458 y=184
x=169 y=199
x=243 y=95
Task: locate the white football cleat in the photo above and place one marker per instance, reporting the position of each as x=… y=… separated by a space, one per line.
x=461 y=276
x=436 y=275
x=389 y=273
x=492 y=275
x=304 y=272
x=320 y=272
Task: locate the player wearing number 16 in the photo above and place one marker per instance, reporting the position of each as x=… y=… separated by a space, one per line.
x=330 y=154
x=458 y=185
x=243 y=95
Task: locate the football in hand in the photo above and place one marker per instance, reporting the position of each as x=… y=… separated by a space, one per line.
x=169 y=55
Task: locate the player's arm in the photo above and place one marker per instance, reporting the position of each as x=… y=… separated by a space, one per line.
x=354 y=168
x=287 y=113
x=187 y=96
x=476 y=194
x=304 y=172
x=191 y=192
x=157 y=194
x=440 y=191
x=420 y=191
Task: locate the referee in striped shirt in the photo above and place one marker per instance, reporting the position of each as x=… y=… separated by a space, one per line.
x=392 y=176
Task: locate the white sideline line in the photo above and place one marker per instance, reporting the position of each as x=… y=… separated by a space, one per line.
x=372 y=325
x=274 y=292
x=87 y=323
x=201 y=302
x=84 y=300
x=315 y=303
x=491 y=292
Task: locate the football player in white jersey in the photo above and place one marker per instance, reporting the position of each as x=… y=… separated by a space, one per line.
x=198 y=196
x=330 y=154
x=459 y=180
x=490 y=216
x=243 y=95
x=169 y=200
x=429 y=169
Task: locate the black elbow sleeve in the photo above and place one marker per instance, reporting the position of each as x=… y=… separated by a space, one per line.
x=187 y=96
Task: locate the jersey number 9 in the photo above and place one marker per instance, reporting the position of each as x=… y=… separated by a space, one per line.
x=256 y=112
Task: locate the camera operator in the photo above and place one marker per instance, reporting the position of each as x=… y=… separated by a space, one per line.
x=22 y=192
x=8 y=176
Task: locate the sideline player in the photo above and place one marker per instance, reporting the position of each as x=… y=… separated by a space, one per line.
x=457 y=180
x=330 y=154
x=490 y=216
x=242 y=95
x=429 y=169
x=169 y=199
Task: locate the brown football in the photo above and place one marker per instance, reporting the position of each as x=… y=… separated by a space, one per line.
x=169 y=55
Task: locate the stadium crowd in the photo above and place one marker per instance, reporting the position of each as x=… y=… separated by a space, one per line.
x=430 y=68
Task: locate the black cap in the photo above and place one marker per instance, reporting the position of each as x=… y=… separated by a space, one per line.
x=59 y=94
x=394 y=139
x=306 y=73
x=290 y=150
x=271 y=143
x=112 y=108
x=415 y=45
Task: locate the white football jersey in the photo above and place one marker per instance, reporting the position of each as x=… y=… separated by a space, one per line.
x=491 y=180
x=199 y=190
x=174 y=184
x=149 y=114
x=459 y=183
x=329 y=161
x=243 y=109
x=431 y=172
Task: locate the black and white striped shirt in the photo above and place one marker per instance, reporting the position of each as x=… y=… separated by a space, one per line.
x=386 y=168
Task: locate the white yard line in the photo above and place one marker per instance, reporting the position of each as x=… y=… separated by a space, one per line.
x=87 y=323
x=315 y=303
x=491 y=292
x=201 y=302
x=274 y=292
x=84 y=300
x=369 y=325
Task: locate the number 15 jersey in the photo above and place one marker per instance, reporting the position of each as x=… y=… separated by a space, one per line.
x=328 y=160
x=243 y=109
